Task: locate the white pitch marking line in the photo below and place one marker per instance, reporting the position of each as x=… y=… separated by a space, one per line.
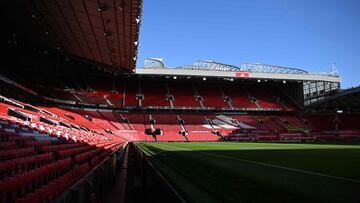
x=269 y=165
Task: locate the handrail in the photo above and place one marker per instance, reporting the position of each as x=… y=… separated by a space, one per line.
x=84 y=178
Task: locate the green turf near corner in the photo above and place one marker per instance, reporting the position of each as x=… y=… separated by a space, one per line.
x=197 y=193
x=258 y=172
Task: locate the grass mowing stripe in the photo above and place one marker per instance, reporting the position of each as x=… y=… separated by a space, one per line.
x=261 y=146
x=178 y=180
x=268 y=165
x=210 y=179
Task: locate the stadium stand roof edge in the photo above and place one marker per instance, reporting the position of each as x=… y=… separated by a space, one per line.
x=208 y=68
x=348 y=95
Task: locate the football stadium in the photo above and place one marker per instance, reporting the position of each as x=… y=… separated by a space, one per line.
x=80 y=122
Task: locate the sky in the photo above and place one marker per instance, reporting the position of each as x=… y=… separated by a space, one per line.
x=306 y=34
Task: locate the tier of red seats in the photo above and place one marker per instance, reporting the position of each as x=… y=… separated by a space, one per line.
x=202 y=136
x=194 y=124
x=239 y=98
x=18 y=165
x=321 y=122
x=168 y=122
x=265 y=96
x=211 y=95
x=93 y=97
x=170 y=127
x=21 y=184
x=251 y=121
x=131 y=89
x=184 y=95
x=38 y=159
x=154 y=93
x=349 y=122
x=84 y=90
x=55 y=187
x=113 y=121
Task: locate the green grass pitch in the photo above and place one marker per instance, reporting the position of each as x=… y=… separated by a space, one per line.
x=259 y=172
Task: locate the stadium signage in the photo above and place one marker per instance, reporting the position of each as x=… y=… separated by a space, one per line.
x=242 y=74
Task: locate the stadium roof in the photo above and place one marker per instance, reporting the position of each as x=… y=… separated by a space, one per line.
x=104 y=32
x=201 y=68
x=346 y=98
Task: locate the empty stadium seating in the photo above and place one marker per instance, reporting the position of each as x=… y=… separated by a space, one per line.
x=211 y=95
x=266 y=97
x=39 y=160
x=184 y=94
x=46 y=149
x=131 y=89
x=239 y=98
x=154 y=93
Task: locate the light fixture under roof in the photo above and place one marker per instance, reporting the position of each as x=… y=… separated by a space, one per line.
x=107 y=33
x=102 y=7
